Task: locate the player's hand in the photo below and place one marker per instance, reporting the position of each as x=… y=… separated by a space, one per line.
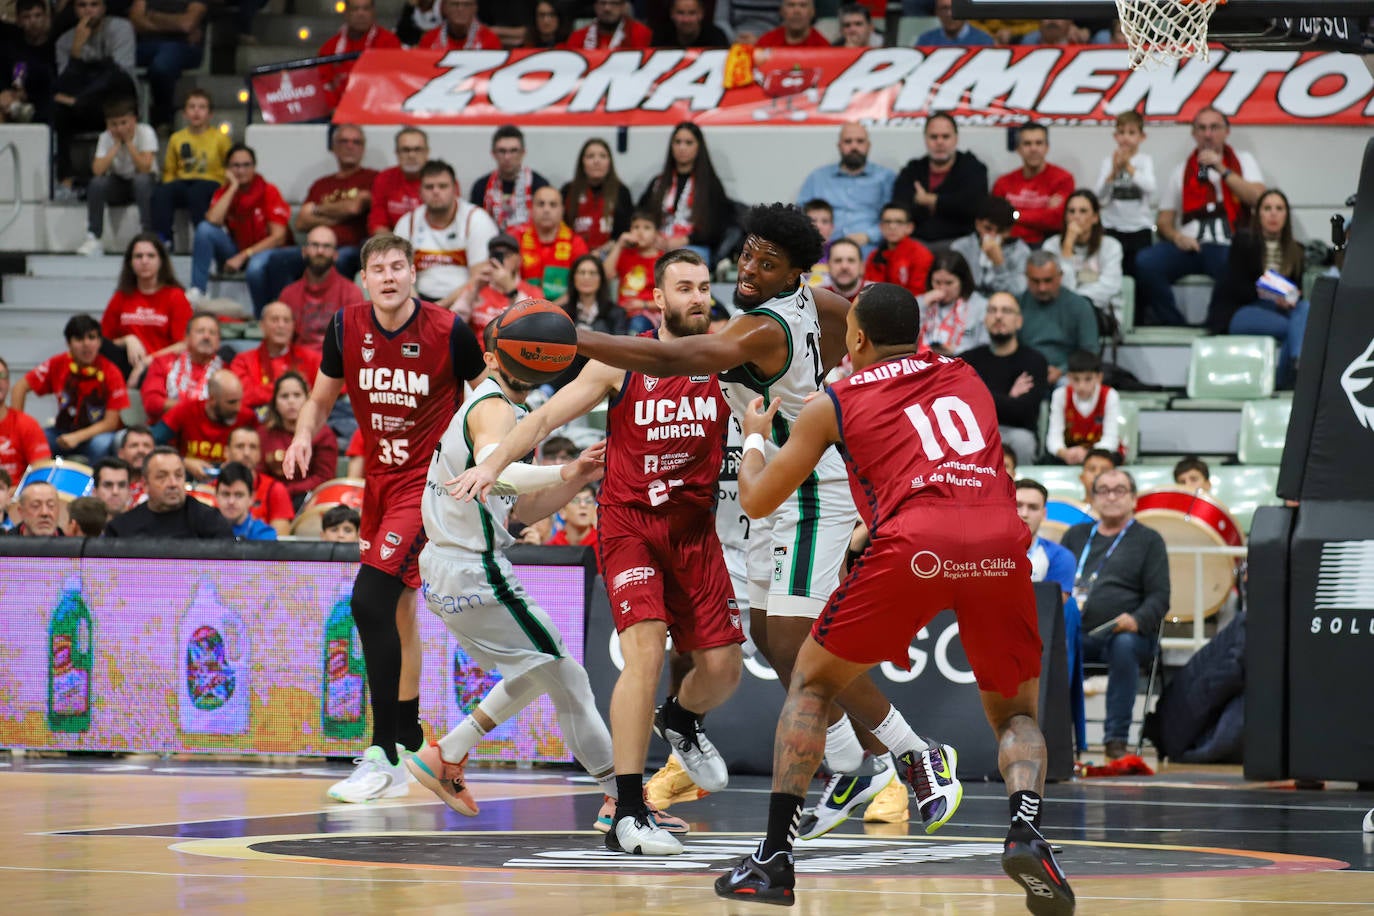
x=297 y=458
x=474 y=483
x=588 y=467
x=1125 y=623
x=759 y=420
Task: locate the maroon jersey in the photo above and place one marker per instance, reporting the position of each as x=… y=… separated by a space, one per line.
x=918 y=427
x=664 y=437
x=404 y=385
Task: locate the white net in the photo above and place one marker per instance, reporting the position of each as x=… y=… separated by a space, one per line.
x=1158 y=31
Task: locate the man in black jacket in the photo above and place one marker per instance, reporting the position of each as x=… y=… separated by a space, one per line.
x=943 y=187
x=168 y=513
x=1016 y=376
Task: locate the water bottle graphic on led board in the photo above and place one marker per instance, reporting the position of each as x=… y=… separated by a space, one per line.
x=213 y=656
x=71 y=660
x=470 y=682
x=343 y=693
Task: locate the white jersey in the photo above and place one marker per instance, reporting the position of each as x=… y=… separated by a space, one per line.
x=476 y=526
x=732 y=525
x=444 y=256
x=801 y=377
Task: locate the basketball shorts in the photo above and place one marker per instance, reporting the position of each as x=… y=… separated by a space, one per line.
x=797 y=552
x=934 y=555
x=481 y=601
x=391 y=533
x=669 y=566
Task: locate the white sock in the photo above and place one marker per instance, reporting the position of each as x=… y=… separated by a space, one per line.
x=898 y=736
x=607 y=782
x=462 y=739
x=843 y=753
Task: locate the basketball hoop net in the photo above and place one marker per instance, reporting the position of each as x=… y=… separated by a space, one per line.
x=1158 y=31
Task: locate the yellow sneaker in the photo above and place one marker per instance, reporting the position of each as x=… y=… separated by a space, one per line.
x=671 y=785
x=890 y=806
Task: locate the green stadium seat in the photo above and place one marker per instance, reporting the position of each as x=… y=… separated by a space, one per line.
x=1224 y=372
x=1060 y=479
x=1263 y=429
x=913 y=26
x=1151 y=476
x=1244 y=488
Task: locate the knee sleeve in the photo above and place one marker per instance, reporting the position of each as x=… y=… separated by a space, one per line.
x=508 y=697
x=375 y=596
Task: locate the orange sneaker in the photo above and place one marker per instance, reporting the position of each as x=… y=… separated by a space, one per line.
x=671 y=785
x=442 y=778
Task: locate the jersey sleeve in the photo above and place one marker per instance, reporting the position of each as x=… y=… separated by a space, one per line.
x=464 y=351
x=332 y=362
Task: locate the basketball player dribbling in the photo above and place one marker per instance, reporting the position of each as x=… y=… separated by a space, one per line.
x=785 y=341
x=405 y=362
x=918 y=432
x=660 y=555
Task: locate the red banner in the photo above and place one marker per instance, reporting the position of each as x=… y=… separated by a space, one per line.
x=288 y=96
x=776 y=86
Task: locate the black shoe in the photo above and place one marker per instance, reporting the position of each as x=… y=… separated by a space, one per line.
x=771 y=881
x=1028 y=860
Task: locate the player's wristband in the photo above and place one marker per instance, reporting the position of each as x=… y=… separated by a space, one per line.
x=754 y=442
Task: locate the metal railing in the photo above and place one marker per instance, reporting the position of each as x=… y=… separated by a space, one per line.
x=18 y=206
x=1199 y=638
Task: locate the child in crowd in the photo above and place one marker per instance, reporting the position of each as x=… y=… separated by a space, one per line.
x=631 y=260
x=1097 y=461
x=1192 y=473
x=123 y=170
x=234 y=493
x=193 y=167
x=1126 y=186
x=87 y=517
x=1084 y=414
x=899 y=258
x=340 y=525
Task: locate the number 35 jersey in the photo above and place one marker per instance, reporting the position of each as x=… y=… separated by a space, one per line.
x=801 y=376
x=664 y=441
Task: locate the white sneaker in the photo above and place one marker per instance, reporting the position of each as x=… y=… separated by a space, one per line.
x=1369 y=821
x=195 y=295
x=696 y=753
x=91 y=248
x=641 y=836
x=844 y=793
x=375 y=777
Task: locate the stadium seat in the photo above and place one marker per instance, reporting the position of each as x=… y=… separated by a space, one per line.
x=1225 y=372
x=1151 y=476
x=913 y=26
x=1263 y=429
x=1060 y=479
x=1128 y=428
x=1244 y=488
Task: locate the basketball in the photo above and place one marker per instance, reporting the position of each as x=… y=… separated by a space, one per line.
x=535 y=341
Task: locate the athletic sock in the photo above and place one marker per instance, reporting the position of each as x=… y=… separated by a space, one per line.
x=607 y=782
x=679 y=718
x=629 y=798
x=408 y=729
x=843 y=752
x=784 y=812
x=455 y=745
x=1025 y=806
x=898 y=736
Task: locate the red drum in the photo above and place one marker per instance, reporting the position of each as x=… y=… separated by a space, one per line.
x=341 y=491
x=1193 y=519
x=205 y=492
x=1063 y=514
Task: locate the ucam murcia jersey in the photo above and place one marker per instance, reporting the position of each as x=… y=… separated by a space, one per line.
x=443 y=256
x=801 y=377
x=479 y=526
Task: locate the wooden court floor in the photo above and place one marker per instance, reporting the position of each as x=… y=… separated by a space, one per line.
x=142 y=835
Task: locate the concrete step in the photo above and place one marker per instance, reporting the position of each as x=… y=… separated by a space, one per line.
x=224 y=91
x=307 y=31
x=257 y=55
x=61 y=295
x=73 y=267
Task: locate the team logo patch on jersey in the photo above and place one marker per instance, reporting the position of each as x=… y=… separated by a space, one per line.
x=650 y=464
x=780 y=551
x=925 y=565
x=387 y=552
x=368 y=353
x=393 y=539
x=410 y=350
x=624 y=607
x=650 y=382
x=635 y=575
x=734 y=622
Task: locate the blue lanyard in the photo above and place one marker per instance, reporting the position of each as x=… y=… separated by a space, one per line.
x=1083 y=557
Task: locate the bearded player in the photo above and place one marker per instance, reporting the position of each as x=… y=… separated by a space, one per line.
x=405 y=362
x=660 y=555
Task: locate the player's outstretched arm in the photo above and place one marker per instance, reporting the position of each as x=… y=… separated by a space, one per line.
x=832 y=310
x=586 y=468
x=593 y=385
x=314 y=412
x=763 y=487
x=754 y=339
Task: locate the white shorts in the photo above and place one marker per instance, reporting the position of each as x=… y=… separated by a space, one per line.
x=483 y=604
x=796 y=554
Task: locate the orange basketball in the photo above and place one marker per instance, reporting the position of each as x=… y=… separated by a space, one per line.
x=535 y=341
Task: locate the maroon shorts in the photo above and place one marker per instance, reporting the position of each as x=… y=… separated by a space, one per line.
x=669 y=566
x=932 y=556
x=391 y=532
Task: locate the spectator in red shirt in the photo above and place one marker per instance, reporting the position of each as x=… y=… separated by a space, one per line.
x=246 y=220
x=461 y=31
x=548 y=246
x=288 y=398
x=1038 y=190
x=899 y=258
x=631 y=262
x=579 y=521
x=201 y=428
x=148 y=312
x=396 y=191
x=258 y=369
x=185 y=376
x=493 y=287
x=271 y=501
x=320 y=292
x=596 y=201
x=341 y=202
x=358 y=33
x=21 y=438
x=90 y=393
x=796 y=30
x=612 y=30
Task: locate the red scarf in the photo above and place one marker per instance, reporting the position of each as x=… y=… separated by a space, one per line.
x=515 y=209
x=589 y=43
x=470 y=43
x=560 y=247
x=678 y=220
x=945 y=326
x=590 y=219
x=1200 y=197
x=341 y=40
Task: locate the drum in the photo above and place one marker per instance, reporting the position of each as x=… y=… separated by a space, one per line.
x=1063 y=514
x=71 y=478
x=341 y=491
x=1192 y=519
x=204 y=492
